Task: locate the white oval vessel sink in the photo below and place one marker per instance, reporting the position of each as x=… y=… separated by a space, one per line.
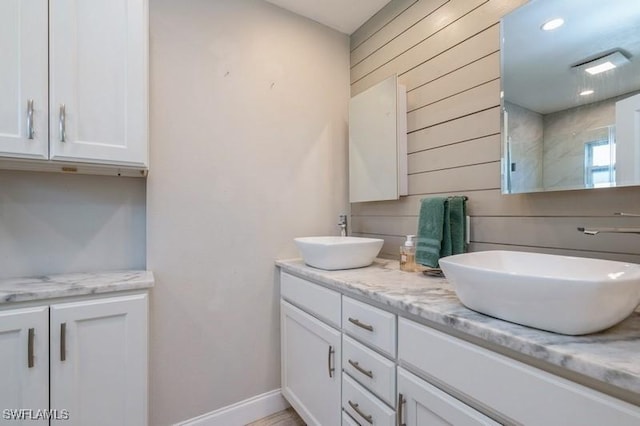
x=333 y=253
x=563 y=294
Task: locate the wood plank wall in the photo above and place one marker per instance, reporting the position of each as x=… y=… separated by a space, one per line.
x=447 y=53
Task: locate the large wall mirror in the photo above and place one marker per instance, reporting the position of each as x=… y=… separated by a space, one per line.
x=571 y=95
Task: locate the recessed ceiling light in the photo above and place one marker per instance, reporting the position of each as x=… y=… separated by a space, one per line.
x=552 y=24
x=586 y=92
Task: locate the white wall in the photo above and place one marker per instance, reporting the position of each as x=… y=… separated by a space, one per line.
x=53 y=223
x=248 y=151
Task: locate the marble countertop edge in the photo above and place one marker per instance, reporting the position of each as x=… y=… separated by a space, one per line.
x=13 y=290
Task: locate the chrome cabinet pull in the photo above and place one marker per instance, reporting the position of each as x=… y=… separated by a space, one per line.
x=356 y=365
x=368 y=418
x=63 y=341
x=63 y=123
x=30 y=131
x=361 y=324
x=401 y=401
x=30 y=359
x=331 y=369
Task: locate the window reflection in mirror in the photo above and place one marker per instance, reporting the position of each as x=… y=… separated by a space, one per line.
x=571 y=95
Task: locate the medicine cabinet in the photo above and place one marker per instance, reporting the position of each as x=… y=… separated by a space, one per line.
x=378 y=143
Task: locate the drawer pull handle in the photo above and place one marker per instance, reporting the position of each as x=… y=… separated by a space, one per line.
x=62 y=123
x=356 y=365
x=30 y=361
x=401 y=401
x=361 y=324
x=331 y=369
x=356 y=408
x=63 y=341
x=30 y=131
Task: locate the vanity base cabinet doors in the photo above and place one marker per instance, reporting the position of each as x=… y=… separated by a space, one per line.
x=24 y=363
x=311 y=366
x=98 y=81
x=23 y=79
x=423 y=404
x=99 y=361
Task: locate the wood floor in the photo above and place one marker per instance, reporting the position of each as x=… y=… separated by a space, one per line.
x=286 y=417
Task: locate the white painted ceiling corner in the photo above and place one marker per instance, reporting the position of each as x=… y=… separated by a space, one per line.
x=345 y=16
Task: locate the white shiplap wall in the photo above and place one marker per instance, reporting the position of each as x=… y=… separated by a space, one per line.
x=447 y=54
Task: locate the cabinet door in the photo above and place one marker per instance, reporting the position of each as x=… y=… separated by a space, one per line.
x=99 y=361
x=311 y=366
x=24 y=363
x=24 y=113
x=98 y=65
x=425 y=405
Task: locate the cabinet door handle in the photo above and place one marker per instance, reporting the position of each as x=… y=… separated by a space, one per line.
x=30 y=131
x=401 y=401
x=361 y=324
x=63 y=341
x=368 y=418
x=331 y=369
x=30 y=359
x=63 y=123
x=356 y=365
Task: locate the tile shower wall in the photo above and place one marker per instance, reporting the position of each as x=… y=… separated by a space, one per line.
x=447 y=54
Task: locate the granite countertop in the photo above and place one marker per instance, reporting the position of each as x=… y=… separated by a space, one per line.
x=53 y=286
x=610 y=356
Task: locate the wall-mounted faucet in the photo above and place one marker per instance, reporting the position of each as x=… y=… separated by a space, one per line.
x=596 y=231
x=342 y=223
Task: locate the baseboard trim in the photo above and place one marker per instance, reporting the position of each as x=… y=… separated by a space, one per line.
x=243 y=412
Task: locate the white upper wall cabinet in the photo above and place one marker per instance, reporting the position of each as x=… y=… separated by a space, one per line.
x=378 y=143
x=74 y=84
x=98 y=75
x=23 y=79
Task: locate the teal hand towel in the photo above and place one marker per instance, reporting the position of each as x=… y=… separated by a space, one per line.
x=430 y=231
x=457 y=224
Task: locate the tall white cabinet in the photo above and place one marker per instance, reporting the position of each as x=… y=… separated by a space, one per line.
x=74 y=82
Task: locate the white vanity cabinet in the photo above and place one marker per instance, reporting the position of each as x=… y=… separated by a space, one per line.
x=311 y=351
x=24 y=361
x=422 y=404
x=86 y=358
x=74 y=83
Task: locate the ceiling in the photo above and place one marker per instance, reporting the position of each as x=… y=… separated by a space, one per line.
x=537 y=64
x=345 y=16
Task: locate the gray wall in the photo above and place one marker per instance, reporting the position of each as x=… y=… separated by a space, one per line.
x=54 y=223
x=448 y=57
x=248 y=150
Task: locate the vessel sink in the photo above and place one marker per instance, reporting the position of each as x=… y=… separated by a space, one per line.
x=562 y=294
x=333 y=253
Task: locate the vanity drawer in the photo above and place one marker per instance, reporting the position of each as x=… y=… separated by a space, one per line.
x=347 y=420
x=370 y=369
x=370 y=325
x=363 y=406
x=514 y=390
x=311 y=297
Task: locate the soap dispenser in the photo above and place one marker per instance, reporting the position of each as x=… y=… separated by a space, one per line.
x=408 y=255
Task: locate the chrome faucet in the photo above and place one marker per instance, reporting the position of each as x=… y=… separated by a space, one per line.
x=342 y=223
x=596 y=231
